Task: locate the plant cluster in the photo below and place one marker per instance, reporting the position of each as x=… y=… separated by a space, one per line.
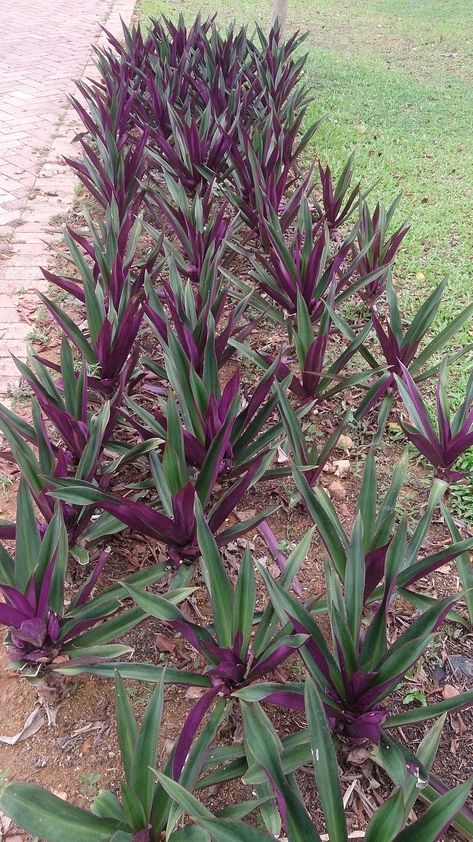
x=205 y=228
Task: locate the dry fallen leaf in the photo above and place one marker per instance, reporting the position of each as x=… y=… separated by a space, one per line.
x=449 y=691
x=165 y=644
x=359 y=756
x=34 y=722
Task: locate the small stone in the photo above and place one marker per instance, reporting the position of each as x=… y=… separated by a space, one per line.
x=337 y=490
x=342 y=467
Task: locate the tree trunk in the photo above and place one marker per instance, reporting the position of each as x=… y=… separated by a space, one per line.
x=279 y=12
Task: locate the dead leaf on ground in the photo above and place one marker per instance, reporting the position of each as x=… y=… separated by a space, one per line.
x=358 y=756
x=34 y=722
x=165 y=644
x=449 y=691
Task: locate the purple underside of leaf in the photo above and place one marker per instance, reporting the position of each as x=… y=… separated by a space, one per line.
x=365 y=726
x=313 y=363
x=144 y=519
x=11 y=616
x=183 y=510
x=459 y=445
x=189 y=730
x=88 y=587
x=8 y=531
x=312 y=647
x=374 y=568
x=287 y=699
x=432 y=453
x=31 y=631
x=19 y=601
x=268 y=664
x=229 y=503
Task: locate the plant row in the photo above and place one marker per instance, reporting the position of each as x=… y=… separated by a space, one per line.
x=203 y=233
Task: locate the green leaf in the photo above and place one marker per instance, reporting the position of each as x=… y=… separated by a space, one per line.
x=138 y=672
x=190 y=833
x=226 y=830
x=387 y=820
x=188 y=803
x=221 y=592
x=325 y=765
x=367 y=498
x=107 y=806
x=325 y=518
x=154 y=605
x=70 y=329
x=463 y=700
x=133 y=808
x=463 y=563
x=354 y=580
x=142 y=774
x=263 y=744
x=54 y=820
x=126 y=726
x=438 y=815
x=110 y=629
x=27 y=538
x=244 y=602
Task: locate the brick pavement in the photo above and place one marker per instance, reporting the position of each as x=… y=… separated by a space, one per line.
x=46 y=45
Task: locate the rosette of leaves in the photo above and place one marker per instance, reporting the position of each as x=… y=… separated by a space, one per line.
x=401 y=346
x=378 y=249
x=40 y=627
x=452 y=437
x=201 y=229
x=308 y=266
x=45 y=462
x=170 y=518
x=362 y=671
x=337 y=204
x=269 y=763
x=263 y=184
x=238 y=419
x=195 y=325
x=67 y=403
x=321 y=376
x=232 y=658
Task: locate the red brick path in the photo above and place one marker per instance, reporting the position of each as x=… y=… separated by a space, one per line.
x=46 y=45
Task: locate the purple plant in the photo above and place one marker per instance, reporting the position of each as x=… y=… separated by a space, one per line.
x=454 y=435
x=195 y=325
x=232 y=660
x=178 y=488
x=197 y=150
x=39 y=626
x=363 y=669
x=202 y=238
x=54 y=462
x=262 y=175
x=377 y=247
x=66 y=403
x=379 y=529
x=401 y=346
x=337 y=206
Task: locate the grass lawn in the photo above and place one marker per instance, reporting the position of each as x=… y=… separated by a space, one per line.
x=394 y=79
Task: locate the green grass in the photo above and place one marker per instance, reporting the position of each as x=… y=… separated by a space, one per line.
x=394 y=79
